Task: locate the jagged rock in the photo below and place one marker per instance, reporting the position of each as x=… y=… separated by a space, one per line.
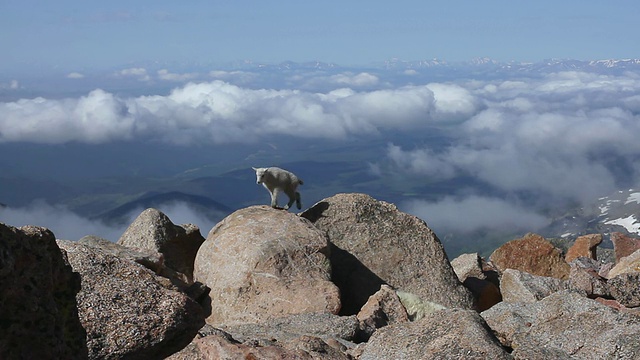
x=584 y=246
x=125 y=310
x=627 y=264
x=322 y=325
x=584 y=277
x=383 y=308
x=299 y=336
x=624 y=245
x=625 y=288
x=532 y=254
x=262 y=263
x=468 y=265
x=38 y=312
x=567 y=325
x=373 y=243
x=520 y=286
x=148 y=258
x=472 y=271
x=220 y=347
x=444 y=334
x=153 y=230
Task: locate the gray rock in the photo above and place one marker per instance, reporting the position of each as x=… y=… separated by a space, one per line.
x=520 y=286
x=625 y=288
x=565 y=324
x=153 y=230
x=148 y=258
x=286 y=328
x=373 y=243
x=444 y=334
x=626 y=264
x=468 y=265
x=126 y=311
x=383 y=308
x=38 y=313
x=584 y=277
x=262 y=263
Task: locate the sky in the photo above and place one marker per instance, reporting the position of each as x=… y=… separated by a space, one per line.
x=568 y=136
x=81 y=35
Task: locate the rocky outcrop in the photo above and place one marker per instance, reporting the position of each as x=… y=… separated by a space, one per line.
x=532 y=254
x=444 y=334
x=125 y=310
x=565 y=325
x=153 y=230
x=519 y=286
x=262 y=263
x=373 y=243
x=624 y=245
x=383 y=308
x=38 y=312
x=585 y=277
x=627 y=264
x=272 y=284
x=584 y=246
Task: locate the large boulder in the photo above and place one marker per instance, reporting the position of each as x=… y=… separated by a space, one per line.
x=584 y=246
x=519 y=286
x=627 y=264
x=153 y=230
x=533 y=254
x=126 y=311
x=444 y=334
x=624 y=245
x=262 y=263
x=566 y=325
x=373 y=243
x=38 y=312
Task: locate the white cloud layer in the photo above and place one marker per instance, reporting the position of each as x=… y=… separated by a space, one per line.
x=70 y=226
x=218 y=112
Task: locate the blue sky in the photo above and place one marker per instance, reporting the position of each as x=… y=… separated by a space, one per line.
x=103 y=34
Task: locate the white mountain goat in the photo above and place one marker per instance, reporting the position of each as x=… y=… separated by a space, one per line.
x=275 y=180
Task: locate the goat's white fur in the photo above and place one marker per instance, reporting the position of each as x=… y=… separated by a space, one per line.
x=276 y=180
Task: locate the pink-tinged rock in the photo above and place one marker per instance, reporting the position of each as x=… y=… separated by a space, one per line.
x=38 y=313
x=584 y=276
x=126 y=310
x=444 y=334
x=374 y=243
x=153 y=230
x=624 y=245
x=584 y=246
x=627 y=264
x=262 y=263
x=532 y=254
x=626 y=289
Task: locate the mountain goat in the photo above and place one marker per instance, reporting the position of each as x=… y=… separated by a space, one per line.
x=275 y=180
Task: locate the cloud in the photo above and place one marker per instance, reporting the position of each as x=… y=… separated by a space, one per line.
x=468 y=214
x=11 y=85
x=164 y=74
x=568 y=136
x=75 y=75
x=68 y=225
x=62 y=222
x=218 y=112
x=139 y=74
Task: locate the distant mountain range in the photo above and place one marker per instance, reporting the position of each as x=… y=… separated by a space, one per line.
x=482 y=64
x=618 y=212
